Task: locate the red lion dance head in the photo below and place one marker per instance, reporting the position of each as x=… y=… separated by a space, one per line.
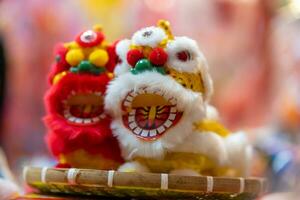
x=79 y=130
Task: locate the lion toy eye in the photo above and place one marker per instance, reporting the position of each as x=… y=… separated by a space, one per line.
x=188 y=66
x=184 y=55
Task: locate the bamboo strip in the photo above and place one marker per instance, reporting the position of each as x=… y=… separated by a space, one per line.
x=99 y=178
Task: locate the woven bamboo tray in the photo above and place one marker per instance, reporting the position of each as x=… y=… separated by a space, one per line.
x=89 y=182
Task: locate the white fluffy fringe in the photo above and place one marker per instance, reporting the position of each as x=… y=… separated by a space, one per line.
x=186 y=101
x=122 y=48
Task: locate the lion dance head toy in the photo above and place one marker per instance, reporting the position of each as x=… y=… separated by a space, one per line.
x=159 y=105
x=79 y=129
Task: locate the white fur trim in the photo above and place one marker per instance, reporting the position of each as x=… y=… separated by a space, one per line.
x=233 y=151
x=133 y=167
x=207 y=143
x=122 y=48
x=212 y=112
x=239 y=152
x=121 y=68
x=186 y=101
x=121 y=86
x=156 y=35
x=197 y=63
x=207 y=80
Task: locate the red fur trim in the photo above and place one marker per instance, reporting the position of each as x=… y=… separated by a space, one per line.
x=61 y=50
x=82 y=82
x=64 y=136
x=69 y=132
x=108 y=148
x=61 y=64
x=113 y=58
x=55 y=144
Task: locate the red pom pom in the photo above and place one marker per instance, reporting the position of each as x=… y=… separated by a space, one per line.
x=158 y=56
x=89 y=38
x=133 y=56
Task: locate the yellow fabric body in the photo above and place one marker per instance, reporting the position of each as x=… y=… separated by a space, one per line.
x=82 y=159
x=180 y=160
x=212 y=126
x=197 y=162
x=177 y=160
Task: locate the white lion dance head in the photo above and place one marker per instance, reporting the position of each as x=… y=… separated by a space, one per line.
x=161 y=87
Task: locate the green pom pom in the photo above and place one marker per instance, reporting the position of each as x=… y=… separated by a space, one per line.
x=143 y=65
x=84 y=66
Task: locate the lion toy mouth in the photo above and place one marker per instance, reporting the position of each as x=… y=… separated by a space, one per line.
x=78 y=100
x=84 y=108
x=149 y=113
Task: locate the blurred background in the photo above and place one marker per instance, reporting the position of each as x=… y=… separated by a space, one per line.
x=252 y=46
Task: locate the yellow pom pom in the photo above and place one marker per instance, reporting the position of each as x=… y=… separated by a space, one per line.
x=99 y=57
x=74 y=56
